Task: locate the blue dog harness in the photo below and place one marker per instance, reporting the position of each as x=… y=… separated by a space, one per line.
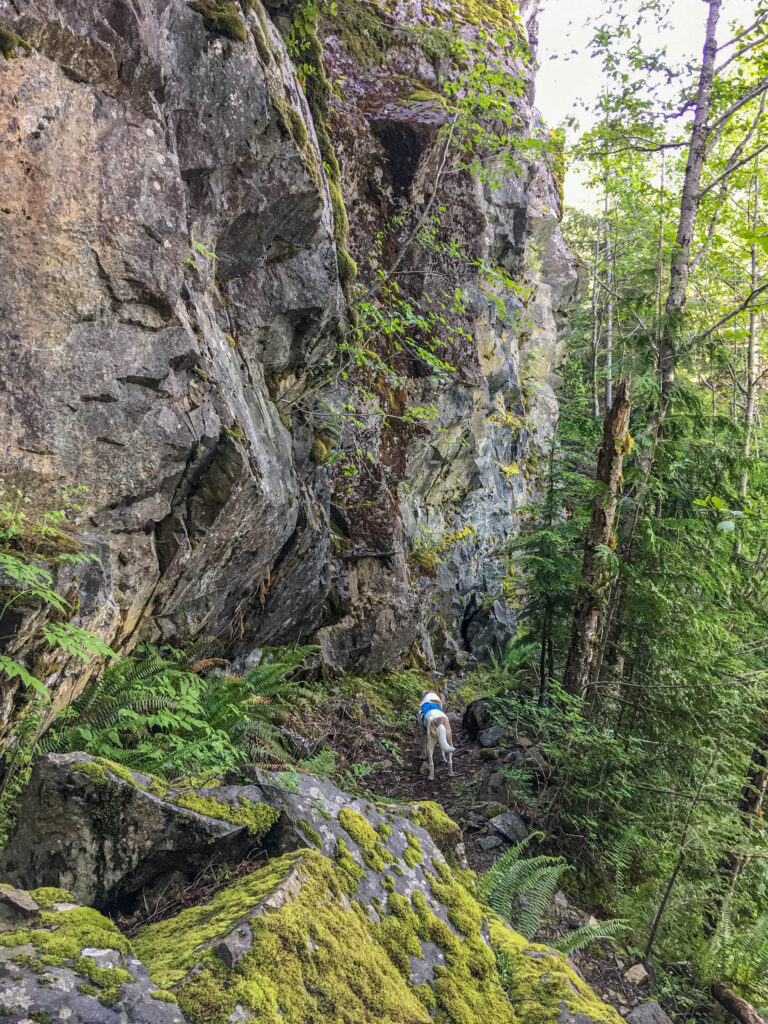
x=425 y=709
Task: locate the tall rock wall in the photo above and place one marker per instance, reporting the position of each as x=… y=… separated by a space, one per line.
x=173 y=321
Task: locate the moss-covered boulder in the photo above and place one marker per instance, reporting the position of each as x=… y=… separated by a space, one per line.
x=72 y=964
x=105 y=834
x=298 y=942
x=361 y=915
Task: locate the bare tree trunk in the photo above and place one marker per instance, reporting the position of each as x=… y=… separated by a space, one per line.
x=680 y=263
x=595 y=326
x=751 y=382
x=610 y=461
x=736 y=1006
x=608 y=315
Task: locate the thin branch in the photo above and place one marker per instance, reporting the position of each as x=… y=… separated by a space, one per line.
x=735 y=312
x=746 y=97
x=729 y=171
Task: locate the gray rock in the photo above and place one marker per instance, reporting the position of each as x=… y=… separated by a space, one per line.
x=490 y=737
x=33 y=989
x=511 y=826
x=210 y=388
x=489 y=843
x=17 y=909
x=648 y=1013
x=636 y=975
x=104 y=840
x=477 y=718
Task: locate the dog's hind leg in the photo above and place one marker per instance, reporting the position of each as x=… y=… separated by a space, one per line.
x=431 y=753
x=450 y=764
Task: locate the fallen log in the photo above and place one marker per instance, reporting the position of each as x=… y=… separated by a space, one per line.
x=736 y=1006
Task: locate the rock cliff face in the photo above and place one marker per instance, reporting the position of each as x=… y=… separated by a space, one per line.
x=177 y=301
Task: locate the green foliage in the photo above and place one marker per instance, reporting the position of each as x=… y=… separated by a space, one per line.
x=160 y=712
x=520 y=889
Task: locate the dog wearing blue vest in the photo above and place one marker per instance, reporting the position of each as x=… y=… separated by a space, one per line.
x=436 y=730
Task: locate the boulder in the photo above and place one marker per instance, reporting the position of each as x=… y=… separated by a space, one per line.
x=497 y=788
x=488 y=843
x=74 y=965
x=636 y=975
x=511 y=826
x=490 y=737
x=103 y=833
x=477 y=718
x=648 y=1013
x=17 y=909
x=359 y=914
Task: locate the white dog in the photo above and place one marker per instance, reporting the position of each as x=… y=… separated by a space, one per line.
x=437 y=729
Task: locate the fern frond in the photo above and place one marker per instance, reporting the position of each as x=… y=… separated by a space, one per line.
x=581 y=937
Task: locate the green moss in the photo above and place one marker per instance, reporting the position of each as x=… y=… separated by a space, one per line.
x=464 y=911
x=88 y=990
x=412 y=854
x=10 y=43
x=319 y=451
x=92 y=769
x=384 y=830
x=444 y=832
x=342 y=974
x=298 y=128
x=340 y=219
x=48 y=895
x=40 y=1017
x=374 y=853
x=30 y=962
x=257 y=817
x=163 y=996
x=223 y=17
x=73 y=930
x=539 y=980
x=313 y=837
x=262 y=45
x=350 y=873
x=237 y=433
x=426 y=96
x=347 y=267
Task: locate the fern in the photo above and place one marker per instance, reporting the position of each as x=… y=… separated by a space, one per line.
x=581 y=937
x=322 y=763
x=520 y=890
x=169 y=712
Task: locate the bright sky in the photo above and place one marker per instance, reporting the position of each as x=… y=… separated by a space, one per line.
x=561 y=83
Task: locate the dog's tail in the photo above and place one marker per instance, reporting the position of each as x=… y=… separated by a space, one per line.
x=442 y=739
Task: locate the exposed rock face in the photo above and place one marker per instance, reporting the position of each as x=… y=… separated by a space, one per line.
x=358 y=915
x=172 y=312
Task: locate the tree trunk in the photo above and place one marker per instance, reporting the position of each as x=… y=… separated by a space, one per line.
x=595 y=327
x=736 y=1006
x=608 y=315
x=610 y=460
x=680 y=263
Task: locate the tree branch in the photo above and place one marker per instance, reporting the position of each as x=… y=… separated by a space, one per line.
x=735 y=312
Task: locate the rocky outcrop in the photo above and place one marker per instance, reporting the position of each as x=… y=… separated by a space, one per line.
x=360 y=913
x=173 y=240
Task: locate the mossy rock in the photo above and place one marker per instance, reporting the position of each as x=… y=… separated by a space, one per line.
x=11 y=43
x=75 y=960
x=222 y=17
